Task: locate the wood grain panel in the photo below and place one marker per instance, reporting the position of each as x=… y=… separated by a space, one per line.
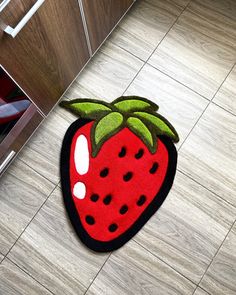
x=209 y=153
x=134 y=270
x=19 y=134
x=48 y=53
x=200 y=49
x=226 y=96
x=14 y=281
x=145 y=25
x=220 y=278
x=50 y=251
x=178 y=234
x=102 y=16
x=22 y=192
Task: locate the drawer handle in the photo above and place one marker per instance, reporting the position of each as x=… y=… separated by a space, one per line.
x=7 y=161
x=14 y=31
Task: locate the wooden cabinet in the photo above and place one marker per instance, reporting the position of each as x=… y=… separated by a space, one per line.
x=22 y=130
x=48 y=52
x=55 y=40
x=101 y=17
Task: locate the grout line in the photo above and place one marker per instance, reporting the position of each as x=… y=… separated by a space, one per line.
x=216 y=252
x=97 y=273
x=30 y=220
x=179 y=82
x=38 y=172
x=194 y=125
x=154 y=48
x=206 y=108
x=198 y=287
x=29 y=275
x=142 y=60
x=231 y=113
x=214 y=193
x=164 y=262
x=169 y=30
x=231 y=69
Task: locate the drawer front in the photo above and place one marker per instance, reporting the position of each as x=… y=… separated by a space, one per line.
x=48 y=52
x=18 y=136
x=102 y=16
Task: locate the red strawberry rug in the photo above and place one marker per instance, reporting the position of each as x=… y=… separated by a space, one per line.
x=118 y=163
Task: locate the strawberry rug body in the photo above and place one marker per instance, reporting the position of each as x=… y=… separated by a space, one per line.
x=118 y=163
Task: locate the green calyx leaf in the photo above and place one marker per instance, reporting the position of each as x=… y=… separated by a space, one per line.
x=134 y=112
x=134 y=103
x=160 y=124
x=143 y=132
x=87 y=108
x=104 y=129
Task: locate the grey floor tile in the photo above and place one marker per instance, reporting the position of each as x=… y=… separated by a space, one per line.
x=145 y=25
x=133 y=270
x=22 y=192
x=226 y=96
x=226 y=7
x=221 y=275
x=1 y=257
x=42 y=152
x=50 y=251
x=200 y=49
x=200 y=291
x=209 y=153
x=13 y=281
x=188 y=229
x=107 y=75
x=181 y=106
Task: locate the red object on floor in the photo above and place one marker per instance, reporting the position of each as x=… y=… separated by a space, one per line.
x=114 y=175
x=13 y=102
x=6 y=86
x=13 y=110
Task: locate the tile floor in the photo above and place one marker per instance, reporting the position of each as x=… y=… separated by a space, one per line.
x=182 y=55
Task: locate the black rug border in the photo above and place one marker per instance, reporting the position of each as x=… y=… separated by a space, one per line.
x=101 y=246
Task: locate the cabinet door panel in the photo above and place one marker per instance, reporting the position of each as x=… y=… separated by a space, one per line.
x=48 y=52
x=19 y=134
x=101 y=17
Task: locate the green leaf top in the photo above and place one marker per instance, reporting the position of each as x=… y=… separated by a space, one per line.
x=104 y=129
x=134 y=103
x=86 y=108
x=136 y=113
x=163 y=127
x=142 y=131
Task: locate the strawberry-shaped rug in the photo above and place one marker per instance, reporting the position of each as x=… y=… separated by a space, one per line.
x=118 y=163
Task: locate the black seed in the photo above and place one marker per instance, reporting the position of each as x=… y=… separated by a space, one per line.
x=141 y=200
x=89 y=219
x=104 y=172
x=107 y=199
x=123 y=209
x=139 y=154
x=113 y=227
x=122 y=153
x=154 y=168
x=94 y=197
x=128 y=176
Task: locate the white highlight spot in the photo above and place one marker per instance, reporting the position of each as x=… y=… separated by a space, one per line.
x=79 y=190
x=81 y=155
